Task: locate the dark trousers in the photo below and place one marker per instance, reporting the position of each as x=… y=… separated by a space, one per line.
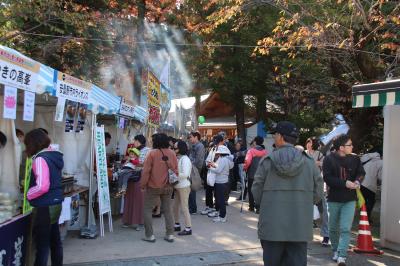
x=220 y=198
x=251 y=198
x=192 y=202
x=277 y=253
x=209 y=196
x=369 y=197
x=46 y=237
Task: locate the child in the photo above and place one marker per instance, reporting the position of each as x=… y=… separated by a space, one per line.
x=221 y=170
x=129 y=170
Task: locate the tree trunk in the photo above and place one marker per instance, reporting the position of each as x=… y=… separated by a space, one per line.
x=196 y=93
x=141 y=4
x=240 y=119
x=261 y=107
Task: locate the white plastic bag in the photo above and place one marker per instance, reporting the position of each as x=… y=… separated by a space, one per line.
x=316 y=213
x=210 y=179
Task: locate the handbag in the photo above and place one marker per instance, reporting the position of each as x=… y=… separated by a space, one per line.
x=172 y=177
x=195 y=179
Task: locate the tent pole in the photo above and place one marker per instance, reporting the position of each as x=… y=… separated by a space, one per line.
x=91 y=220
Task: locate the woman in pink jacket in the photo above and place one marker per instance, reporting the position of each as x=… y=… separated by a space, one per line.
x=251 y=161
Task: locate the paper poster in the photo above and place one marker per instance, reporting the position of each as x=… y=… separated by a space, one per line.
x=29 y=106
x=70 y=115
x=102 y=175
x=82 y=111
x=17 y=70
x=60 y=110
x=121 y=122
x=10 y=102
x=72 y=88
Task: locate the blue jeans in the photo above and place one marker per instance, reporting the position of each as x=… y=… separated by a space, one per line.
x=220 y=198
x=323 y=210
x=341 y=215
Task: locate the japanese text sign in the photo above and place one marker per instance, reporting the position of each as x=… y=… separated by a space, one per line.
x=153 y=89
x=17 y=70
x=14 y=235
x=72 y=88
x=126 y=109
x=102 y=175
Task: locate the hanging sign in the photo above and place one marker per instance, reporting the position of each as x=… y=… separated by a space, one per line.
x=10 y=102
x=82 y=110
x=165 y=98
x=17 y=70
x=72 y=88
x=153 y=99
x=121 y=123
x=126 y=109
x=60 y=110
x=70 y=116
x=154 y=115
x=29 y=106
x=102 y=176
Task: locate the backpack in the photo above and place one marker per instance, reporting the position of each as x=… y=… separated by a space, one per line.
x=195 y=179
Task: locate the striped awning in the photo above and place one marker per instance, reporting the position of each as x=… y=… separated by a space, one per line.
x=376 y=94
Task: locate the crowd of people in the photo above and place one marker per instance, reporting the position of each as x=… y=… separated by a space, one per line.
x=282 y=184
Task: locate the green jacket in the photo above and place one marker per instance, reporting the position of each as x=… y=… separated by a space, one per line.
x=286 y=186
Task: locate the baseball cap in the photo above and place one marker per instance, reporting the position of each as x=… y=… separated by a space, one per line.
x=285 y=128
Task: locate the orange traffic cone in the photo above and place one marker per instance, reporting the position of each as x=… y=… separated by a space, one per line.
x=364 y=241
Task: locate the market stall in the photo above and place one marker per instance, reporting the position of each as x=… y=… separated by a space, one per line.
x=386 y=94
x=37 y=96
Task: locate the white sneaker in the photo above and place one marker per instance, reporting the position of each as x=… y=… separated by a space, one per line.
x=213 y=214
x=207 y=210
x=219 y=220
x=335 y=256
x=341 y=261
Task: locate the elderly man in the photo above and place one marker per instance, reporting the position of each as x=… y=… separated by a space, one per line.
x=286 y=185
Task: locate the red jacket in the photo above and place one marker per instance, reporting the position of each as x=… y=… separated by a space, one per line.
x=252 y=153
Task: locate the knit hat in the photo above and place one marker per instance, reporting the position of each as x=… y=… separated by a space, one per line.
x=134 y=150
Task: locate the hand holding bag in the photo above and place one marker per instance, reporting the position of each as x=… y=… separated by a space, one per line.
x=172 y=177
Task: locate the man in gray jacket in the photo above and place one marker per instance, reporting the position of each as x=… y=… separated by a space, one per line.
x=197 y=155
x=286 y=186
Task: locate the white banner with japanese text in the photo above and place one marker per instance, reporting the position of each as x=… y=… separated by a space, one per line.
x=126 y=109
x=102 y=177
x=18 y=71
x=72 y=88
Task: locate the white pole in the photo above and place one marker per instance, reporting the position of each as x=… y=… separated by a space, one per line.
x=91 y=220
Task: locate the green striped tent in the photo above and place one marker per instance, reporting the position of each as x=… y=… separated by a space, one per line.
x=376 y=94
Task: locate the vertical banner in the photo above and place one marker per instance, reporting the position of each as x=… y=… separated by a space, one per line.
x=82 y=111
x=29 y=106
x=10 y=102
x=70 y=115
x=102 y=176
x=60 y=110
x=153 y=99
